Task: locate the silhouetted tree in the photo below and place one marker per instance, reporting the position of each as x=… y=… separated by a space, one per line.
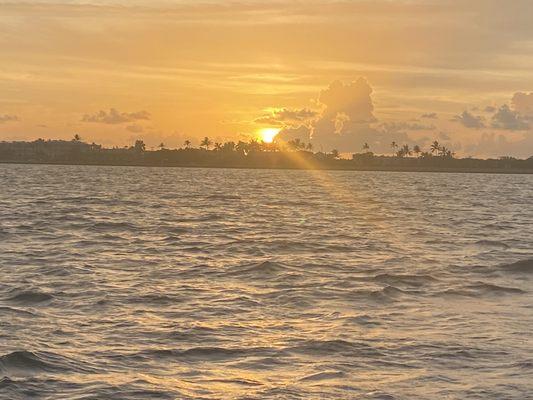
x=394 y=146
x=254 y=146
x=139 y=146
x=77 y=138
x=206 y=142
x=417 y=150
x=218 y=146
x=161 y=146
x=435 y=147
x=366 y=146
x=296 y=144
x=335 y=153
x=309 y=146
x=228 y=147
x=242 y=147
x=187 y=144
x=446 y=153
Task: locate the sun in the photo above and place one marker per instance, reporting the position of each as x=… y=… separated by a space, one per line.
x=267 y=135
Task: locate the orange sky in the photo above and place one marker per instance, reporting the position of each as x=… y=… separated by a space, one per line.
x=460 y=72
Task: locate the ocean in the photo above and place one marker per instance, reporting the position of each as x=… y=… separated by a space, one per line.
x=182 y=283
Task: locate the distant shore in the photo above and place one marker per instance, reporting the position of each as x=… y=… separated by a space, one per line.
x=252 y=155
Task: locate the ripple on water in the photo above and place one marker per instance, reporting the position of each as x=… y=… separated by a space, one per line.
x=170 y=283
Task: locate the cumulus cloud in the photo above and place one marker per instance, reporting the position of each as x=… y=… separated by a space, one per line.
x=523 y=103
x=469 y=120
x=352 y=99
x=508 y=119
x=430 y=115
x=114 y=117
x=8 y=118
x=346 y=116
x=287 y=118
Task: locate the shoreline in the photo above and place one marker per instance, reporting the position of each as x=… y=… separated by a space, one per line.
x=495 y=171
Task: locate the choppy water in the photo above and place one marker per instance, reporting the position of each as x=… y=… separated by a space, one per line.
x=152 y=283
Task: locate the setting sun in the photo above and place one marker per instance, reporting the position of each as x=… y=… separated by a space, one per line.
x=267 y=135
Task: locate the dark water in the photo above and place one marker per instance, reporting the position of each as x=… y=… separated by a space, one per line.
x=149 y=283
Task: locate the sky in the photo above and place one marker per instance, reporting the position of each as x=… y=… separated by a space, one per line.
x=335 y=73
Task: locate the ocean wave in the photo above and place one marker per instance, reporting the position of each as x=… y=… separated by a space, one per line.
x=405 y=279
x=264 y=269
x=28 y=297
x=16 y=311
x=111 y=226
x=363 y=320
x=492 y=243
x=523 y=266
x=331 y=347
x=322 y=376
x=481 y=288
x=25 y=362
x=204 y=353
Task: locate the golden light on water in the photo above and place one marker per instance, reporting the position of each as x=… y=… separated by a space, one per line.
x=267 y=135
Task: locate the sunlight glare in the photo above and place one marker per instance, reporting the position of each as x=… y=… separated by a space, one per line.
x=267 y=135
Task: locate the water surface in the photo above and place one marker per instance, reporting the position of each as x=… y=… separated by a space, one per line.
x=170 y=283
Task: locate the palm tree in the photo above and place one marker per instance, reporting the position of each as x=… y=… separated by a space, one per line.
x=309 y=146
x=394 y=146
x=139 y=146
x=187 y=144
x=435 y=147
x=229 y=146
x=406 y=150
x=335 y=153
x=161 y=146
x=366 y=146
x=242 y=147
x=296 y=144
x=206 y=143
x=254 y=145
x=417 y=150
x=77 y=138
x=218 y=146
x=446 y=153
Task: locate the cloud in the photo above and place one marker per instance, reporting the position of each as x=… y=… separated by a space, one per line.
x=352 y=99
x=135 y=128
x=397 y=126
x=287 y=118
x=8 y=118
x=347 y=112
x=508 y=119
x=469 y=120
x=523 y=103
x=114 y=117
x=430 y=116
